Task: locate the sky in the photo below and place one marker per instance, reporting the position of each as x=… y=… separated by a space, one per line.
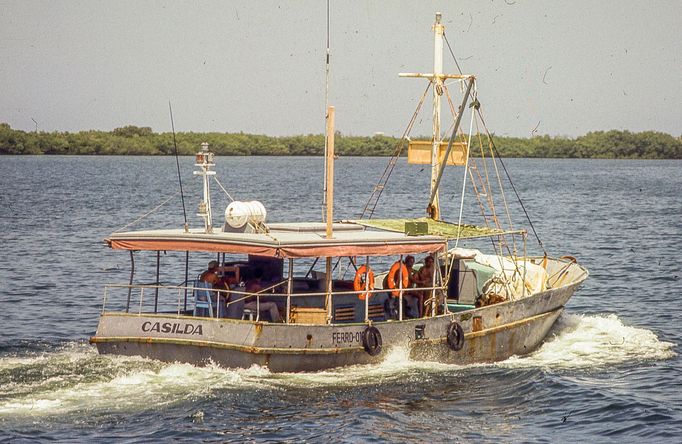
x=561 y=68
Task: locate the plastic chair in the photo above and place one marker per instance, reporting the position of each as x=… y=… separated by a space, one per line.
x=203 y=304
x=249 y=315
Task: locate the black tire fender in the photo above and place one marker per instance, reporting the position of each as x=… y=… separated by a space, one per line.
x=371 y=341
x=455 y=336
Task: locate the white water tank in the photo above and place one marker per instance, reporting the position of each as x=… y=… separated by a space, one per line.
x=238 y=214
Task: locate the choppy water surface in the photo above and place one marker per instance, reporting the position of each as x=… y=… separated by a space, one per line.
x=610 y=370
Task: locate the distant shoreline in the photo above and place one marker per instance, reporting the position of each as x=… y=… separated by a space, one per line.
x=133 y=140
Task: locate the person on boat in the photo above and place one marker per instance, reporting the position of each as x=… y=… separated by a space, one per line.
x=424 y=279
x=255 y=285
x=212 y=277
x=411 y=299
x=409 y=263
x=392 y=281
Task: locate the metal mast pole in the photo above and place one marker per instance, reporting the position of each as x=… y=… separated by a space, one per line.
x=330 y=207
x=204 y=160
x=438 y=30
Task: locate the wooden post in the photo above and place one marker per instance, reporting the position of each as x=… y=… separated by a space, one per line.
x=330 y=170
x=330 y=206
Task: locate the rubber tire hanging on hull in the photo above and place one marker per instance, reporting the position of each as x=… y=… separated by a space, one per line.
x=455 y=336
x=371 y=341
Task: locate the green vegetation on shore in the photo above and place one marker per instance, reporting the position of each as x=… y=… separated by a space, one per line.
x=133 y=140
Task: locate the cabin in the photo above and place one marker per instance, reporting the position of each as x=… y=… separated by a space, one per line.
x=312 y=279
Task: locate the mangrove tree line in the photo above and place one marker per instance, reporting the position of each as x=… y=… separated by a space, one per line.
x=133 y=140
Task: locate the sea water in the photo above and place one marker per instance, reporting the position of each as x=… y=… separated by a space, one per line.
x=610 y=369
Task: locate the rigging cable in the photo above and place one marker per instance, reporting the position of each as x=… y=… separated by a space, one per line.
x=147 y=213
x=223 y=188
x=177 y=163
x=494 y=147
x=523 y=207
x=452 y=53
x=464 y=182
x=378 y=189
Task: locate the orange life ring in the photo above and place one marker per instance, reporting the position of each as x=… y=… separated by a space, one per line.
x=359 y=281
x=393 y=278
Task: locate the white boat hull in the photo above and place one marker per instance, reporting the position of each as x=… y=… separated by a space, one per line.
x=491 y=333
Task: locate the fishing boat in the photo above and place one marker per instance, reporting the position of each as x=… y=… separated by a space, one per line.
x=308 y=296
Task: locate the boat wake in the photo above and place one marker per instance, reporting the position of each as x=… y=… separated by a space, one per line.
x=575 y=342
x=592 y=341
x=75 y=379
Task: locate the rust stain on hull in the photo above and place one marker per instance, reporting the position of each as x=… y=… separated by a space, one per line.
x=477 y=324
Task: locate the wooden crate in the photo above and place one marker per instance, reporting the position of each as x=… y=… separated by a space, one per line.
x=419 y=152
x=306 y=315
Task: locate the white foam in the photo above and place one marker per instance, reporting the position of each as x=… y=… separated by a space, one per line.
x=29 y=406
x=117 y=383
x=593 y=341
x=131 y=384
x=72 y=351
x=577 y=341
x=396 y=365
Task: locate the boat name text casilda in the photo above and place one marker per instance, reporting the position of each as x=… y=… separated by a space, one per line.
x=172 y=327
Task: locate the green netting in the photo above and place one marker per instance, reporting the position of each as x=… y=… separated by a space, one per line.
x=436 y=228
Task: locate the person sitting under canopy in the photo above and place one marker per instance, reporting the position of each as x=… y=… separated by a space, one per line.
x=255 y=285
x=399 y=277
x=423 y=278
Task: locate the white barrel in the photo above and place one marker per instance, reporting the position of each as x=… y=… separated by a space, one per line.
x=237 y=214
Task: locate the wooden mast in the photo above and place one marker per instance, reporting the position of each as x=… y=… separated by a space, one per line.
x=329 y=200
x=437 y=77
x=329 y=185
x=438 y=30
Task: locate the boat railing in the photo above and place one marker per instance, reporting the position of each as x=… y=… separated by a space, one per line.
x=155 y=299
x=141 y=294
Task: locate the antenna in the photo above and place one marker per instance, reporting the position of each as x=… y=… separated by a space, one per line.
x=177 y=163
